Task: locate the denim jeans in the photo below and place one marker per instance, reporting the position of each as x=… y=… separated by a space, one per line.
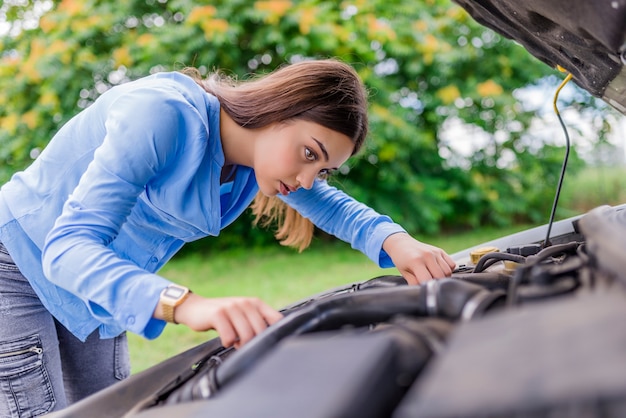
x=43 y=367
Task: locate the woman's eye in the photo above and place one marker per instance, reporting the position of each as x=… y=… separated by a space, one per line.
x=309 y=155
x=324 y=173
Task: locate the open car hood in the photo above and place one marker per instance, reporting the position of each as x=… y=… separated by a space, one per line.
x=586 y=38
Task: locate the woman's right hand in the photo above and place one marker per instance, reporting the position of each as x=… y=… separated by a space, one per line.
x=236 y=319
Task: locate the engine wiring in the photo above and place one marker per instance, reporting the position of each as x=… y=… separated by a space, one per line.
x=546 y=242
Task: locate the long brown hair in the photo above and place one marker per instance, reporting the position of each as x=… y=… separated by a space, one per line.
x=327 y=92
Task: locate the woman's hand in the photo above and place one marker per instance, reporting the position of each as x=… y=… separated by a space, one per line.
x=236 y=319
x=416 y=261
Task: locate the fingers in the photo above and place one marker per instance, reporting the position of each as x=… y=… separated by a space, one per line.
x=418 y=262
x=428 y=266
x=237 y=319
x=446 y=264
x=253 y=321
x=270 y=315
x=420 y=274
x=242 y=328
x=449 y=261
x=225 y=329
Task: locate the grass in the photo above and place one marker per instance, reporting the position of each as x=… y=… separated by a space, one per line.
x=277 y=275
x=593 y=187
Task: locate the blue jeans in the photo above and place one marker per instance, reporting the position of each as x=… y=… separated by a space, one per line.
x=43 y=367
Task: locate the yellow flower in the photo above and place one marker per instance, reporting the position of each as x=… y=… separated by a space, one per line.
x=121 y=56
x=448 y=94
x=37 y=49
x=71 y=7
x=489 y=88
x=83 y=24
x=49 y=98
x=57 y=46
x=307 y=19
x=429 y=47
x=46 y=24
x=456 y=13
x=274 y=9
x=387 y=116
x=62 y=49
x=420 y=26
x=278 y=7
x=29 y=70
x=340 y=32
x=85 y=56
x=145 y=39
x=431 y=43
x=200 y=13
x=8 y=65
x=30 y=119
x=9 y=123
x=380 y=29
x=213 y=26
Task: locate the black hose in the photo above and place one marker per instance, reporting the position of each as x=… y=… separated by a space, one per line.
x=494 y=257
x=567 y=248
x=445 y=298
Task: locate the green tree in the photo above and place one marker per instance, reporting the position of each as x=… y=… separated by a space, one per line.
x=425 y=63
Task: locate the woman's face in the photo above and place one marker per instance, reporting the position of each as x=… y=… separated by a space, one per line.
x=291 y=155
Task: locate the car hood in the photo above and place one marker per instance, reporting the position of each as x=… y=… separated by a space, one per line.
x=586 y=38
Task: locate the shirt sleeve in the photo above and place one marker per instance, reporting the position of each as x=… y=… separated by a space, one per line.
x=336 y=213
x=145 y=129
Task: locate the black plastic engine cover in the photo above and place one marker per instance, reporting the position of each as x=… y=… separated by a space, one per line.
x=566 y=358
x=320 y=375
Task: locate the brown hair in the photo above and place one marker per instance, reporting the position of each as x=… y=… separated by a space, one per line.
x=327 y=92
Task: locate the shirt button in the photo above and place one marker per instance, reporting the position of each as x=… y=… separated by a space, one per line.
x=130 y=320
x=154 y=259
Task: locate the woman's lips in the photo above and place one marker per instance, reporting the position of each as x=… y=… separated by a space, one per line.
x=286 y=189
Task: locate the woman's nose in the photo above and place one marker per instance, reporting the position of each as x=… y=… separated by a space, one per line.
x=306 y=179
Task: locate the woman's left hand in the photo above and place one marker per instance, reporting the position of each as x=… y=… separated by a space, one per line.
x=416 y=261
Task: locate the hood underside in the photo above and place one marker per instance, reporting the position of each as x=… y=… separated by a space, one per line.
x=586 y=38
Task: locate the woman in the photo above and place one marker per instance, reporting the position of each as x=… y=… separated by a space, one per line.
x=153 y=164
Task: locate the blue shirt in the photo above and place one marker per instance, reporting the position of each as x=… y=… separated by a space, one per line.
x=119 y=190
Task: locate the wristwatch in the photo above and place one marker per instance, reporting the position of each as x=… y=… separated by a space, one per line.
x=172 y=296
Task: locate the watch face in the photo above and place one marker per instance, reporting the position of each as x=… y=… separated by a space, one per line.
x=174 y=292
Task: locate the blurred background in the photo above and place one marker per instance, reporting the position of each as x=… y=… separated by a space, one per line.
x=463 y=134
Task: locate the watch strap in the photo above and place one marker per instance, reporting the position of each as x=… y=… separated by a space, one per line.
x=171 y=297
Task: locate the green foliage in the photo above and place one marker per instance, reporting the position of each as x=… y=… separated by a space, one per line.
x=425 y=64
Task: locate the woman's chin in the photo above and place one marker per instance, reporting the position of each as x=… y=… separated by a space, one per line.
x=269 y=192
